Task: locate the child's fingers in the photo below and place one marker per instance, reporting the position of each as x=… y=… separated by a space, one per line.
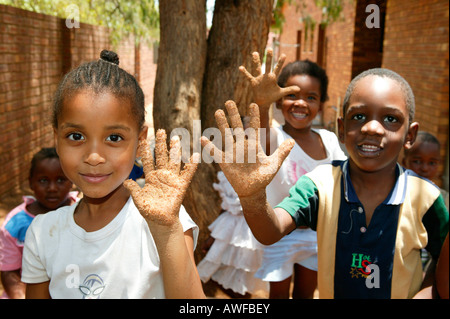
x=212 y=150
x=253 y=112
x=161 y=153
x=279 y=65
x=283 y=150
x=256 y=62
x=189 y=168
x=133 y=187
x=269 y=57
x=146 y=157
x=246 y=73
x=290 y=90
x=175 y=155
x=233 y=114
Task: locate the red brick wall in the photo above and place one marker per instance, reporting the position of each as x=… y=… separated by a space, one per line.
x=416 y=46
x=35 y=51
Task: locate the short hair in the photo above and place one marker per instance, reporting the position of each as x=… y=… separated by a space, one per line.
x=44 y=153
x=381 y=72
x=425 y=137
x=101 y=75
x=306 y=67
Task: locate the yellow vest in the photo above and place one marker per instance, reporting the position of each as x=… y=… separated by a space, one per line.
x=411 y=233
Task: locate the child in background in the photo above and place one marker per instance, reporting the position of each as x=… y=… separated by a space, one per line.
x=51 y=190
x=111 y=244
x=424 y=158
x=233 y=254
x=372 y=217
x=300 y=93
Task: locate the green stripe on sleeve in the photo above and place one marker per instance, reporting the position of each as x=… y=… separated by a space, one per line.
x=302 y=203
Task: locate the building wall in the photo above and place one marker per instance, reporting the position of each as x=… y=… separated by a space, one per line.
x=36 y=50
x=416 y=46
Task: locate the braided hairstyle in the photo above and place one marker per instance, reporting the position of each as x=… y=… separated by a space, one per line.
x=103 y=75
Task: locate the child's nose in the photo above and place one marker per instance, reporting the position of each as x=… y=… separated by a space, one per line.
x=301 y=102
x=373 y=127
x=94 y=156
x=52 y=186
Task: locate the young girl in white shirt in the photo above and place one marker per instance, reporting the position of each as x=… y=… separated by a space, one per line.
x=299 y=90
x=111 y=244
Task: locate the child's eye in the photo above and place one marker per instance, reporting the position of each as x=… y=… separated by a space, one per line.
x=42 y=181
x=75 y=136
x=391 y=119
x=358 y=117
x=114 y=138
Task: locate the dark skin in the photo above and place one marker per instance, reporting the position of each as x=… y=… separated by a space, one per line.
x=374 y=130
x=300 y=102
x=51 y=188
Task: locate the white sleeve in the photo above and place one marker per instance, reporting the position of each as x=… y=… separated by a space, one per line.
x=188 y=223
x=33 y=270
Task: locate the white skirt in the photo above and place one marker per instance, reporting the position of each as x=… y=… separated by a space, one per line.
x=298 y=247
x=234 y=257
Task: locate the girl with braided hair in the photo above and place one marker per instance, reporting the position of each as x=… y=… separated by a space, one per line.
x=111 y=244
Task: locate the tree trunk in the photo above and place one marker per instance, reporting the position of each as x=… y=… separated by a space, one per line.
x=185 y=69
x=181 y=64
x=239 y=28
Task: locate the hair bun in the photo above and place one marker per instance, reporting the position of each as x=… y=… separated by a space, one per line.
x=109 y=56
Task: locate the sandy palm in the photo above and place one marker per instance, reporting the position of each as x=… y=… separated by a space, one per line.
x=264 y=85
x=246 y=166
x=160 y=199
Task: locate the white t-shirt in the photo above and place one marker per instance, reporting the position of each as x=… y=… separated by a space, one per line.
x=298 y=162
x=118 y=261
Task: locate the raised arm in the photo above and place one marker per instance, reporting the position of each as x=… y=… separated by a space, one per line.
x=249 y=170
x=159 y=202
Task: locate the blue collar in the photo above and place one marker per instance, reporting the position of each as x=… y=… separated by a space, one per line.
x=395 y=197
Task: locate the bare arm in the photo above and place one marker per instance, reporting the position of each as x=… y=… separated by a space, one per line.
x=249 y=170
x=159 y=202
x=38 y=291
x=12 y=284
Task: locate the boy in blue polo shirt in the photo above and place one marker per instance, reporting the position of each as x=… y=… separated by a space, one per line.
x=372 y=217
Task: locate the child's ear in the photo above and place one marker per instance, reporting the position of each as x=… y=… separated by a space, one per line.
x=411 y=135
x=341 y=131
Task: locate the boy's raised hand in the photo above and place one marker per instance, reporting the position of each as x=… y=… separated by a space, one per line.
x=160 y=199
x=265 y=86
x=248 y=169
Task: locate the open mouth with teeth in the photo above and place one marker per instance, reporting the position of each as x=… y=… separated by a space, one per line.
x=299 y=116
x=368 y=150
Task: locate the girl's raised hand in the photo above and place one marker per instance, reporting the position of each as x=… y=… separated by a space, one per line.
x=248 y=169
x=160 y=199
x=264 y=85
